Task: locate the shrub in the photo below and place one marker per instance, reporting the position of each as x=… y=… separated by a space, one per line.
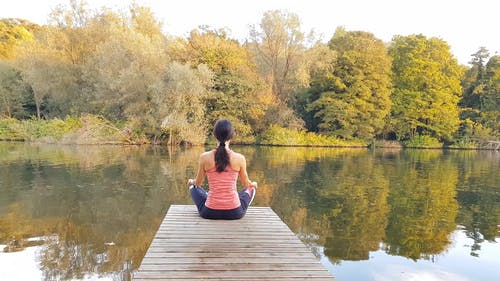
x=465 y=143
x=423 y=141
x=277 y=135
x=88 y=129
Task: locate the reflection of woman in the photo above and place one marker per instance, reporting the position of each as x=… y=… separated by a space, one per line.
x=222 y=167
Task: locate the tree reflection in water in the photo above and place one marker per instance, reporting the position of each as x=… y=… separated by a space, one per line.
x=96 y=209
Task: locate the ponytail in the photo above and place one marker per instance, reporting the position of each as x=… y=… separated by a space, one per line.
x=221 y=158
x=223 y=132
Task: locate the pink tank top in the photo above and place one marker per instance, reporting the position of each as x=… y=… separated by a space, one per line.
x=222 y=194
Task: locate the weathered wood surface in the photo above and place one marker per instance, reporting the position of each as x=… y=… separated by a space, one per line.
x=258 y=247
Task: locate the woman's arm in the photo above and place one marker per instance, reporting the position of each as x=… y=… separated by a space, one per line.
x=201 y=173
x=245 y=181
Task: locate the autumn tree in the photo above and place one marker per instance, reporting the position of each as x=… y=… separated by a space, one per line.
x=12 y=33
x=426 y=79
x=181 y=104
x=123 y=74
x=46 y=68
x=52 y=62
x=278 y=46
x=237 y=93
x=353 y=91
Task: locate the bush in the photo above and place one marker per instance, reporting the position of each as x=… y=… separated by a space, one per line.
x=423 y=141
x=88 y=129
x=465 y=143
x=277 y=135
x=11 y=129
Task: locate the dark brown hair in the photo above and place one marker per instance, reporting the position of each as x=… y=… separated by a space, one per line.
x=223 y=131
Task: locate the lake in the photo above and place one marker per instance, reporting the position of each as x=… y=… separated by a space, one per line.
x=90 y=212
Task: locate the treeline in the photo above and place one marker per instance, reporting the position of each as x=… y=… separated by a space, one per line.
x=119 y=65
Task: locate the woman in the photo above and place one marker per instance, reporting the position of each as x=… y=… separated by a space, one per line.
x=222 y=167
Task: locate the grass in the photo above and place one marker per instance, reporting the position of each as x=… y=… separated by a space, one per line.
x=278 y=136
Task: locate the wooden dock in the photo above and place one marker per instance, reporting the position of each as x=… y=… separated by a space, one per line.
x=258 y=247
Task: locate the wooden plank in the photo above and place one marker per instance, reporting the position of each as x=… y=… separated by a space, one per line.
x=243 y=275
x=287 y=250
x=225 y=260
x=258 y=247
x=237 y=279
x=224 y=255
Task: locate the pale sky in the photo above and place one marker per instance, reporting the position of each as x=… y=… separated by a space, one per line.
x=465 y=24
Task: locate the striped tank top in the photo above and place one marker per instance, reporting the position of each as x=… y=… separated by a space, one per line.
x=222 y=194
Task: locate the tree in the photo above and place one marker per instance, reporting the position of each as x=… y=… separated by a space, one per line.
x=13 y=92
x=45 y=68
x=278 y=46
x=180 y=106
x=52 y=62
x=237 y=91
x=473 y=82
x=317 y=71
x=123 y=74
x=12 y=33
x=426 y=79
x=144 y=22
x=490 y=100
x=353 y=93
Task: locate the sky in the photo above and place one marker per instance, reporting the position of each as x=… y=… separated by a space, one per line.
x=465 y=24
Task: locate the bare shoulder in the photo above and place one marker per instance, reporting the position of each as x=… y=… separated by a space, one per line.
x=206 y=155
x=238 y=156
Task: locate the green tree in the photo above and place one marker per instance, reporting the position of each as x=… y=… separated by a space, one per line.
x=426 y=80
x=13 y=92
x=473 y=81
x=490 y=100
x=353 y=93
x=318 y=70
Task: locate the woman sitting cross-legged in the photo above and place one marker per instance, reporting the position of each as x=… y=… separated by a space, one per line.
x=222 y=167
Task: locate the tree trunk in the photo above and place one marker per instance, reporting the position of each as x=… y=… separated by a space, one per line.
x=170 y=138
x=37 y=104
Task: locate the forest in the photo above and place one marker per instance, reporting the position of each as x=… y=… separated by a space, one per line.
x=97 y=76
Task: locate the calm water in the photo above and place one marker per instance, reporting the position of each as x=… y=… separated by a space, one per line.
x=87 y=213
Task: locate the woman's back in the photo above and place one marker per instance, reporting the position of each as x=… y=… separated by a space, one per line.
x=222 y=194
x=222 y=166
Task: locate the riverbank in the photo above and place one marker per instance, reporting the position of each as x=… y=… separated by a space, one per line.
x=89 y=129
x=92 y=129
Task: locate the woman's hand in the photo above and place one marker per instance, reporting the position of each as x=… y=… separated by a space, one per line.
x=253 y=184
x=190 y=182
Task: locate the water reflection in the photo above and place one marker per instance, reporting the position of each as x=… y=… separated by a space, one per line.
x=93 y=210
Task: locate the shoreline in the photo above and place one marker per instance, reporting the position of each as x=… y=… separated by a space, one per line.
x=242 y=144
